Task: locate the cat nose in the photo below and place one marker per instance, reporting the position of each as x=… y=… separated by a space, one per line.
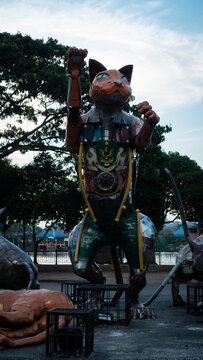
x=118 y=82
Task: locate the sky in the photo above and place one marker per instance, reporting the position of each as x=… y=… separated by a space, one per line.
x=163 y=39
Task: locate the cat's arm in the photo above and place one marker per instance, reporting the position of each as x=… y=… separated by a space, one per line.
x=74 y=121
x=143 y=136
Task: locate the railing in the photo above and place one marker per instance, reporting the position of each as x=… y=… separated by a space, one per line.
x=62 y=257
x=51 y=257
x=165 y=257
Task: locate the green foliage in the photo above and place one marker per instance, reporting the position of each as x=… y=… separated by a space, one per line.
x=151 y=189
x=29 y=68
x=49 y=192
x=10 y=181
x=189 y=179
x=168 y=242
x=14 y=233
x=41 y=191
x=33 y=84
x=151 y=192
x=154 y=196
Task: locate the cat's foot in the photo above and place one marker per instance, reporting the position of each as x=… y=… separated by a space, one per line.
x=139 y=311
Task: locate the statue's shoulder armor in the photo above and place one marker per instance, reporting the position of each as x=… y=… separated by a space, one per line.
x=90 y=116
x=128 y=118
x=134 y=122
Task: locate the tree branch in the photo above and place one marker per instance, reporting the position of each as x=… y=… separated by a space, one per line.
x=42 y=147
x=14 y=146
x=9 y=99
x=43 y=237
x=169 y=222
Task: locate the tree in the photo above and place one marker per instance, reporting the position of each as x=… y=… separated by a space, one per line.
x=33 y=87
x=48 y=194
x=15 y=234
x=189 y=179
x=40 y=191
x=168 y=242
x=151 y=189
x=9 y=176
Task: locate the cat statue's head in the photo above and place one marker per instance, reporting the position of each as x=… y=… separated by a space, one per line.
x=109 y=88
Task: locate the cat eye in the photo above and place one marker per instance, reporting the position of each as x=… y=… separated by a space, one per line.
x=124 y=78
x=103 y=76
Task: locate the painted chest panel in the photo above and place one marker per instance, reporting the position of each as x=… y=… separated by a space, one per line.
x=106 y=156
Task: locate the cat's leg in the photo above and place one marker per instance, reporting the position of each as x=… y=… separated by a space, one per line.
x=92 y=239
x=138 y=260
x=175 y=290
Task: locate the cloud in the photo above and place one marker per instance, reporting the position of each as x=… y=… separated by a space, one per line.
x=184 y=139
x=195 y=130
x=168 y=68
x=154 y=4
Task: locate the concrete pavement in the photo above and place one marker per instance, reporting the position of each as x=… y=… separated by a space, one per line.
x=172 y=335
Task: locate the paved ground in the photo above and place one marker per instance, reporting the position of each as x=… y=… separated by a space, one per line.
x=172 y=335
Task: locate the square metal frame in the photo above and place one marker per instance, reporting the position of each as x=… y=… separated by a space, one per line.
x=70 y=287
x=78 y=331
x=195 y=298
x=111 y=303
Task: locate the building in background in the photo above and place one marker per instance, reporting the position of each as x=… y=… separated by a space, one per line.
x=53 y=240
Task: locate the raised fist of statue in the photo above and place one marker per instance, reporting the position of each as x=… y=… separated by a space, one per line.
x=149 y=114
x=76 y=59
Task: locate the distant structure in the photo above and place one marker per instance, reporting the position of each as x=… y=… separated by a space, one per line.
x=192 y=227
x=54 y=240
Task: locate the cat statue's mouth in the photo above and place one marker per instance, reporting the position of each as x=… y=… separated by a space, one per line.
x=111 y=100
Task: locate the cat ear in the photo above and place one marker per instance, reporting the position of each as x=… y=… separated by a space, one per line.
x=94 y=68
x=127 y=71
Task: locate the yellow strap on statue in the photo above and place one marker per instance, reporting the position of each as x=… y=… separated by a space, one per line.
x=122 y=205
x=82 y=185
x=139 y=236
x=79 y=238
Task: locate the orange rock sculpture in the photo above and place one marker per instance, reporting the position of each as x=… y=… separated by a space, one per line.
x=23 y=315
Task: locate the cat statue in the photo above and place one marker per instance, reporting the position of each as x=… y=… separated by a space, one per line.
x=105 y=139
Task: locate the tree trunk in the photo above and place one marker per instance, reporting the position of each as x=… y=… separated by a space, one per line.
x=200 y=226
x=35 y=243
x=23 y=236
x=153 y=261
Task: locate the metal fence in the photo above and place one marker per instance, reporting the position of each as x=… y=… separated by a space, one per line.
x=51 y=257
x=165 y=257
x=62 y=257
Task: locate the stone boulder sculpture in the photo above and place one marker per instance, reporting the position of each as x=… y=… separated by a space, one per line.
x=17 y=271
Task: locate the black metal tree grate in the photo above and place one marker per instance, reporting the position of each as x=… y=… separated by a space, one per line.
x=70 y=289
x=70 y=332
x=195 y=298
x=111 y=303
